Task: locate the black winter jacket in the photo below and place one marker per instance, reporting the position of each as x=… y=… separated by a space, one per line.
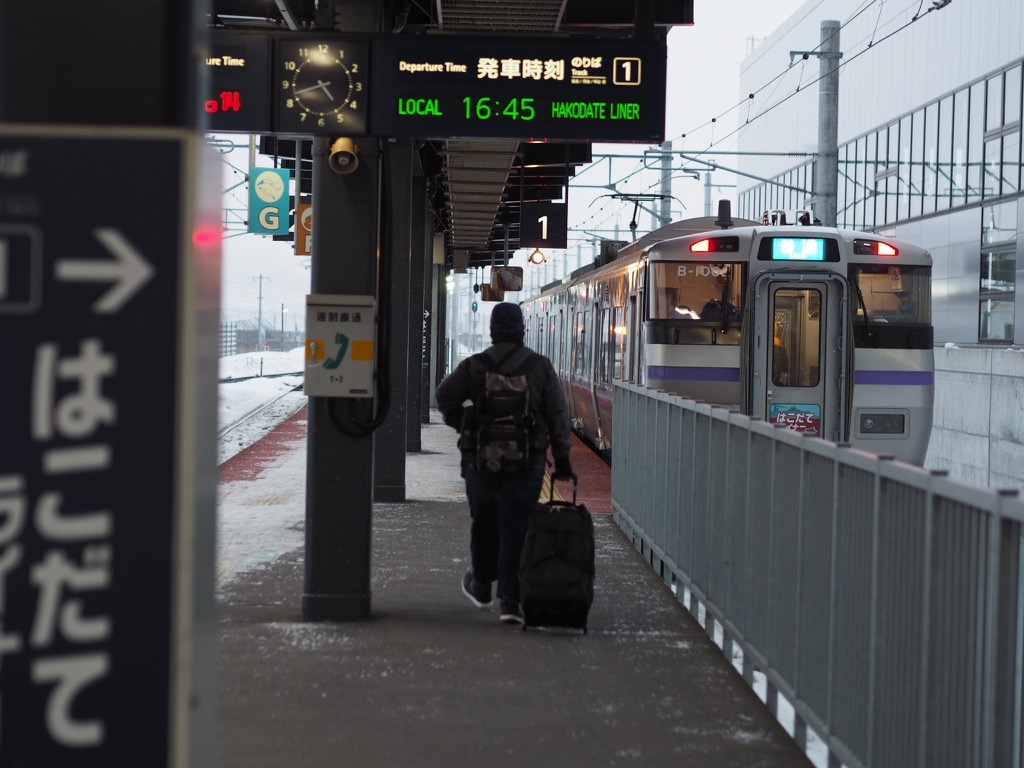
x=551 y=419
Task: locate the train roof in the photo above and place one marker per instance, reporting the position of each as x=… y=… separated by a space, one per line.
x=754 y=229
x=678 y=229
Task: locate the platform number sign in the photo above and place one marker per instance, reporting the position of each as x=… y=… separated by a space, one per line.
x=627 y=70
x=543 y=225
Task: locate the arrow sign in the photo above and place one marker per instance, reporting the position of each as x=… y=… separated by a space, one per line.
x=129 y=271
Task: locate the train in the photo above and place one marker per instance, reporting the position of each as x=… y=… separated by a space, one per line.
x=821 y=330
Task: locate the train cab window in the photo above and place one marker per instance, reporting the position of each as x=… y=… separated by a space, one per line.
x=892 y=306
x=892 y=295
x=696 y=291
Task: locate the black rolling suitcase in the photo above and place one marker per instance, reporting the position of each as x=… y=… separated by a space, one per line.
x=556 y=571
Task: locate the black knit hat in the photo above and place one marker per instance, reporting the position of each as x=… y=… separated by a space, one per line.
x=507 y=323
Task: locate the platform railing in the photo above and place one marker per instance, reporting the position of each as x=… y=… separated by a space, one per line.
x=881 y=600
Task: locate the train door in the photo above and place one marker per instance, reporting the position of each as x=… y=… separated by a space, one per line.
x=800 y=370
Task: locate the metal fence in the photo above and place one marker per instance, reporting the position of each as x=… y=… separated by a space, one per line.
x=883 y=601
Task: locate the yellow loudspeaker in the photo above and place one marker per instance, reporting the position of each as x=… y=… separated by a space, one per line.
x=343 y=158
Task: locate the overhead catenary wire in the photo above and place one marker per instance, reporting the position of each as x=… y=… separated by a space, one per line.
x=774 y=83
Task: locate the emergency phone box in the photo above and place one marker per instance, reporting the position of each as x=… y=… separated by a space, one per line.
x=340 y=347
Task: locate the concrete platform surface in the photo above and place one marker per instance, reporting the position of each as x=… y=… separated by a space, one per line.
x=430 y=680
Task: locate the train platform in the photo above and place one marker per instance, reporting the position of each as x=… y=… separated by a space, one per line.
x=431 y=681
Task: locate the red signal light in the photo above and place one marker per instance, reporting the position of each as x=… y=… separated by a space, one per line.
x=874 y=248
x=206 y=235
x=726 y=244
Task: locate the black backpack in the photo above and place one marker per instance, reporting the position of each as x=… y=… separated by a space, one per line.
x=503 y=416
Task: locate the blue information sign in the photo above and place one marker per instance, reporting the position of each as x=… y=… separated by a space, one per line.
x=269 y=200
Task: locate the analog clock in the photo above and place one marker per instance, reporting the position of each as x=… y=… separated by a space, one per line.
x=320 y=86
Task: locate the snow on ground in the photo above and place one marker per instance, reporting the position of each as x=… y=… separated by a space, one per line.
x=248 y=383
x=257 y=522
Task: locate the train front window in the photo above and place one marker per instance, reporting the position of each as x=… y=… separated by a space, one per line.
x=892 y=295
x=695 y=290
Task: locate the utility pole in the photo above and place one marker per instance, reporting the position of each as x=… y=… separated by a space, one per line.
x=259 y=316
x=826 y=163
x=665 y=216
x=827 y=173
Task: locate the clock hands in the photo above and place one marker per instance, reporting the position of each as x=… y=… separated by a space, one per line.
x=319 y=84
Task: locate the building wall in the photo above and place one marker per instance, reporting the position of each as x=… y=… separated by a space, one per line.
x=978 y=434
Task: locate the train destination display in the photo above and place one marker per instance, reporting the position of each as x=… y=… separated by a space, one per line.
x=569 y=90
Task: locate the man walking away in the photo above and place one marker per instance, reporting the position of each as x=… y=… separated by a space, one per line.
x=517 y=411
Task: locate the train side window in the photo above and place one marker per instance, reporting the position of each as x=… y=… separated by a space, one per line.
x=603 y=348
x=612 y=345
x=580 y=347
x=556 y=346
x=617 y=342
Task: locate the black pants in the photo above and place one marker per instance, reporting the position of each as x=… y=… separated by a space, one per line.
x=500 y=505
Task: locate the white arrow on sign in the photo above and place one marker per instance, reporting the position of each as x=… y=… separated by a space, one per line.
x=129 y=271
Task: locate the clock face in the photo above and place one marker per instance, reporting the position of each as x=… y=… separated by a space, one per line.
x=320 y=86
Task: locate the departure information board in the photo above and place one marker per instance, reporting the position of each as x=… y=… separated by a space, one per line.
x=437 y=86
x=518 y=88
x=238 y=97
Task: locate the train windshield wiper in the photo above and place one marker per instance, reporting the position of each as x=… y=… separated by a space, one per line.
x=725 y=301
x=867 y=320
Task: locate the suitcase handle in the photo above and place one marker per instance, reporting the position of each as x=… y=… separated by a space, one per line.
x=575 y=488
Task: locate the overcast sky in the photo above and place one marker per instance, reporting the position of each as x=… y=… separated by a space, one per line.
x=703 y=84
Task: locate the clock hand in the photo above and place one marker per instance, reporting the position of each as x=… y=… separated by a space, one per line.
x=319 y=84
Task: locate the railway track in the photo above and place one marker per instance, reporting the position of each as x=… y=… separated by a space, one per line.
x=257 y=422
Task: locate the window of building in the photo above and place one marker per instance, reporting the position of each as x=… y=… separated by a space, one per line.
x=975 y=143
x=944 y=156
x=998 y=272
x=930 y=160
x=917 y=163
x=905 y=187
x=959 y=177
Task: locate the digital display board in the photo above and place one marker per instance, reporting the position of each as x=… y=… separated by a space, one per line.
x=518 y=88
x=238 y=97
x=798 y=249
